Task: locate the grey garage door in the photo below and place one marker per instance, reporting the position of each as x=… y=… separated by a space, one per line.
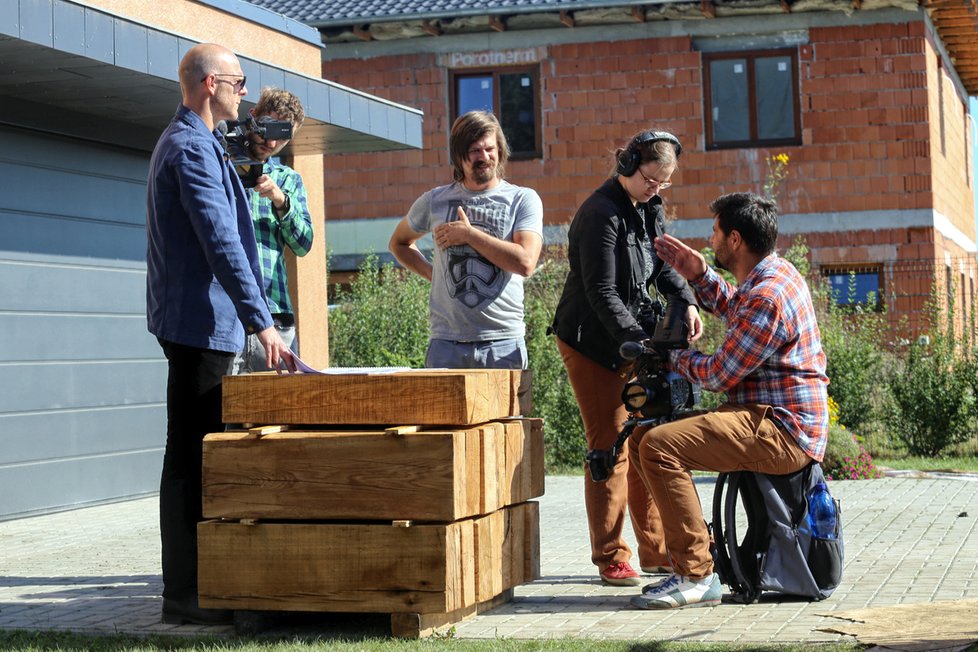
x=82 y=383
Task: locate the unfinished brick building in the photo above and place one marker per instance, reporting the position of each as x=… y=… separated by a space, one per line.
x=868 y=101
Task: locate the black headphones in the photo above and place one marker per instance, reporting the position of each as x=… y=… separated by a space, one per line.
x=631 y=158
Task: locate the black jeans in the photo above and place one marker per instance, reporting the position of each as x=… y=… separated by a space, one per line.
x=193 y=409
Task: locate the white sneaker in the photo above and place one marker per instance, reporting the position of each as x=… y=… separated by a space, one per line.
x=678 y=592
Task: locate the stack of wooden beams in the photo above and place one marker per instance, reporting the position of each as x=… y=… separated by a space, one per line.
x=411 y=495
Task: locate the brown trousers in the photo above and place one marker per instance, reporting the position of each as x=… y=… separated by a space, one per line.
x=598 y=393
x=731 y=438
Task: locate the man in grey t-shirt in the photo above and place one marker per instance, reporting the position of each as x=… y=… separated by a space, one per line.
x=488 y=234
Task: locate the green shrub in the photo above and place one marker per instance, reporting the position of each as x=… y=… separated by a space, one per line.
x=845 y=458
x=933 y=403
x=855 y=355
x=855 y=365
x=382 y=320
x=841 y=446
x=553 y=398
x=924 y=399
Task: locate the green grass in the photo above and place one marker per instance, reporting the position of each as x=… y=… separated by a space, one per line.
x=968 y=463
x=962 y=457
x=67 y=642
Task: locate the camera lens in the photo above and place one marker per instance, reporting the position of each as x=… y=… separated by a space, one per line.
x=634 y=396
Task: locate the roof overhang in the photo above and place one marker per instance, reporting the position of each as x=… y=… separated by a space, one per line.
x=955 y=21
x=73 y=69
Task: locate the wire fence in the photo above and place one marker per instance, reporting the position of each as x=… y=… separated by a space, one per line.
x=903 y=290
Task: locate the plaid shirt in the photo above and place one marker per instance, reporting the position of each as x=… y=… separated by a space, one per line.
x=772 y=353
x=293 y=230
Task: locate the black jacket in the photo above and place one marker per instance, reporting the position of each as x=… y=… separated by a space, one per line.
x=603 y=291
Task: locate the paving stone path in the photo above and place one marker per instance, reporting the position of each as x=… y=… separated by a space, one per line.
x=908 y=540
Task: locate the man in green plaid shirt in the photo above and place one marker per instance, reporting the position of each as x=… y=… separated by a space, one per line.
x=280 y=212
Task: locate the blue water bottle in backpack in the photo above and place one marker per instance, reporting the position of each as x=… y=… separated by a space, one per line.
x=821 y=512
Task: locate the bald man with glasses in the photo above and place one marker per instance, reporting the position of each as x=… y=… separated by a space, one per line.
x=203 y=293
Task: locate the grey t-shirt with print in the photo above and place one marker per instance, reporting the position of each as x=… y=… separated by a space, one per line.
x=472 y=300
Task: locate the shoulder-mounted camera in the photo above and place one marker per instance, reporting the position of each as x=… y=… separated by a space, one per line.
x=238 y=135
x=653 y=395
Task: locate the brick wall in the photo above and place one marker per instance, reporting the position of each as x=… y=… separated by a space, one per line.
x=864 y=105
x=870 y=138
x=385 y=184
x=866 y=96
x=949 y=151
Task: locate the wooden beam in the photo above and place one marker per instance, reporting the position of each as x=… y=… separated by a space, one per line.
x=362 y=32
x=957 y=30
x=638 y=14
x=430 y=569
x=423 y=397
x=402 y=430
x=945 y=23
x=415 y=626
x=947 y=4
x=567 y=18
x=431 y=27
x=261 y=431
x=941 y=15
x=963 y=43
x=708 y=9
x=497 y=23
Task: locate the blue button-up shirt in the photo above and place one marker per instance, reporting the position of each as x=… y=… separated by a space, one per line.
x=202 y=276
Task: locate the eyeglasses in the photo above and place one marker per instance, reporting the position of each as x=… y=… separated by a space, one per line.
x=655 y=183
x=239 y=84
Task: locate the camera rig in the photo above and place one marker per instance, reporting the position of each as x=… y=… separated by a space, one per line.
x=238 y=136
x=654 y=395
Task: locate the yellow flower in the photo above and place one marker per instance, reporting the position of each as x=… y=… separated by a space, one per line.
x=833 y=412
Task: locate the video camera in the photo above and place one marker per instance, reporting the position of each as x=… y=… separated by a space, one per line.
x=237 y=143
x=653 y=395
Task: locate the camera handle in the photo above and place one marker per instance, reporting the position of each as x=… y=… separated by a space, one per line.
x=628 y=427
x=600 y=462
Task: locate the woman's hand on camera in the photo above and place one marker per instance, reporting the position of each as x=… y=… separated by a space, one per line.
x=694 y=323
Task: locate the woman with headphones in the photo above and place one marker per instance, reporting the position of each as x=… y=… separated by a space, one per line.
x=614 y=278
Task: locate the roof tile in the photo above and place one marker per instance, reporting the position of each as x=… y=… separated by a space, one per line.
x=345 y=12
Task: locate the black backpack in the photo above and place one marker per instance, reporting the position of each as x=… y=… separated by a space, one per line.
x=777 y=552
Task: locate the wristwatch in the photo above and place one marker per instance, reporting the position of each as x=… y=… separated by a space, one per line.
x=284 y=210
